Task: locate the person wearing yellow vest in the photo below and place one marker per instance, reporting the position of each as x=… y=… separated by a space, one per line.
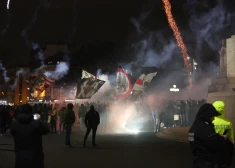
x=224 y=127
x=222 y=124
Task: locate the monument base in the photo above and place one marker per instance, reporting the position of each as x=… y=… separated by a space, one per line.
x=223 y=89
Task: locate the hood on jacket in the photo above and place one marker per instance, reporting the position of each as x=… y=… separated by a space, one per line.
x=25 y=114
x=206 y=111
x=24 y=118
x=220 y=107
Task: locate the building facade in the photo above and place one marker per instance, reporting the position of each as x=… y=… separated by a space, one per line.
x=18 y=90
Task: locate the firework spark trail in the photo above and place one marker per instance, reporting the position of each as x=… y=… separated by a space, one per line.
x=39 y=54
x=177 y=35
x=73 y=30
x=8 y=4
x=62 y=68
x=24 y=32
x=8 y=23
x=30 y=44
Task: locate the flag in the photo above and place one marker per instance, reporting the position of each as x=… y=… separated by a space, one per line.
x=86 y=74
x=39 y=82
x=148 y=78
x=140 y=84
x=87 y=87
x=123 y=84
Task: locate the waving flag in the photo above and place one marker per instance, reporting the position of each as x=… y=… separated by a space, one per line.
x=86 y=74
x=141 y=83
x=87 y=87
x=123 y=84
x=148 y=78
x=39 y=82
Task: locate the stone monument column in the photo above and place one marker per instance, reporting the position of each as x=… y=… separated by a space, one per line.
x=223 y=59
x=223 y=87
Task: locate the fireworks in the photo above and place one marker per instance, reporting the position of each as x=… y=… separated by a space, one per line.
x=177 y=35
x=8 y=4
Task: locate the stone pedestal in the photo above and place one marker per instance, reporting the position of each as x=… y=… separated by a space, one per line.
x=223 y=87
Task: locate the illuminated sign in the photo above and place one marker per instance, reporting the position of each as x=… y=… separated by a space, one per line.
x=174 y=89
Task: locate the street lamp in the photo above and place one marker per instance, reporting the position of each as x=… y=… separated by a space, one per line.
x=174 y=89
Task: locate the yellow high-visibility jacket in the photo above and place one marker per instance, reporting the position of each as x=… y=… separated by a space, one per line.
x=221 y=123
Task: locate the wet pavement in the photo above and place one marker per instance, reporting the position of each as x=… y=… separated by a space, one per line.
x=114 y=150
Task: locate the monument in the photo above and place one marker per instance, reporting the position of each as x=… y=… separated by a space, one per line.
x=223 y=87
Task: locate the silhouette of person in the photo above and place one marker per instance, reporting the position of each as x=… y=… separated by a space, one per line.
x=92 y=120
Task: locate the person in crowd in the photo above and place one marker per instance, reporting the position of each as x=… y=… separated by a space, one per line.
x=187 y=112
x=182 y=113
x=224 y=126
x=61 y=115
x=92 y=120
x=221 y=123
x=27 y=134
x=81 y=114
x=3 y=120
x=53 y=119
x=206 y=145
x=68 y=121
x=45 y=112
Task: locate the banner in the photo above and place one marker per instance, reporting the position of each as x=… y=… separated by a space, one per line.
x=123 y=84
x=39 y=82
x=86 y=74
x=88 y=87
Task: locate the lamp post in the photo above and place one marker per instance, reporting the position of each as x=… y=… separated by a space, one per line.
x=174 y=89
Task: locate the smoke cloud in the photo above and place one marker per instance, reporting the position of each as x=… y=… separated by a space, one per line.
x=18 y=73
x=61 y=70
x=104 y=94
x=154 y=49
x=207 y=26
x=39 y=53
x=4 y=72
x=150 y=55
x=137 y=22
x=161 y=90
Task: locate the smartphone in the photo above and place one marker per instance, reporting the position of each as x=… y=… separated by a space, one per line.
x=35 y=117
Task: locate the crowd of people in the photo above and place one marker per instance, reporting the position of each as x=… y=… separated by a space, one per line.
x=162 y=115
x=171 y=113
x=211 y=137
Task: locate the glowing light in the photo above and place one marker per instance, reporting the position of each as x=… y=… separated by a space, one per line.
x=68 y=100
x=135 y=131
x=177 y=35
x=8 y=4
x=132 y=131
x=174 y=89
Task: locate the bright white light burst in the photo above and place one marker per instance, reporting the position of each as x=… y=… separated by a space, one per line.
x=8 y=4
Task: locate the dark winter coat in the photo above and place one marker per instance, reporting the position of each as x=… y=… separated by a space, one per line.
x=27 y=134
x=3 y=115
x=92 y=118
x=206 y=145
x=69 y=118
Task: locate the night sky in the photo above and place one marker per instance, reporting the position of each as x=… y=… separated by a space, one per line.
x=103 y=27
